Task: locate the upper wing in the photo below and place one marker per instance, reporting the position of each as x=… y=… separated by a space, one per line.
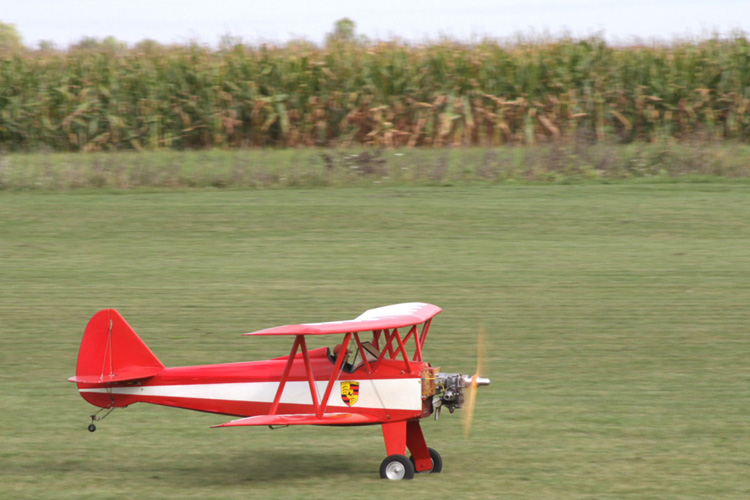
x=393 y=316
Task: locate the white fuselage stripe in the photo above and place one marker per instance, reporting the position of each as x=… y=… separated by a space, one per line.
x=396 y=394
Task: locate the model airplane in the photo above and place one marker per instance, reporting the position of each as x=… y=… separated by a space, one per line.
x=366 y=379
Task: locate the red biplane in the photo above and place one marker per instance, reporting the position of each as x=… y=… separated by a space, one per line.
x=364 y=380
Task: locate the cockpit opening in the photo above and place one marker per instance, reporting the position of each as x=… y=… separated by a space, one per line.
x=371 y=354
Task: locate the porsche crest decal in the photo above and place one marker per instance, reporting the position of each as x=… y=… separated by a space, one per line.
x=350 y=392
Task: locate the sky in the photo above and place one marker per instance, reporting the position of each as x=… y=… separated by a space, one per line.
x=171 y=21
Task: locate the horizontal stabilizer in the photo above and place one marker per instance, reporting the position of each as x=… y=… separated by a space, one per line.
x=124 y=375
x=304 y=419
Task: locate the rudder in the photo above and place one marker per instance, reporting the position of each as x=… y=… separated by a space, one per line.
x=111 y=351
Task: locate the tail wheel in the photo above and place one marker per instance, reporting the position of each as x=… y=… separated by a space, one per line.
x=437 y=462
x=396 y=467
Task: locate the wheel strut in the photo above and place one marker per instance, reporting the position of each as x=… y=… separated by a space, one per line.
x=95 y=417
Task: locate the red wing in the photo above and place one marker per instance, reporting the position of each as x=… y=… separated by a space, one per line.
x=393 y=316
x=304 y=419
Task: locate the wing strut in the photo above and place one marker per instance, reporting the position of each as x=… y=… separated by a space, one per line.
x=299 y=343
x=418 y=351
x=402 y=350
x=363 y=354
x=393 y=352
x=334 y=374
x=298 y=339
x=310 y=378
x=368 y=369
x=421 y=340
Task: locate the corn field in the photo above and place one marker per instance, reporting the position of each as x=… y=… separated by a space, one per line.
x=391 y=93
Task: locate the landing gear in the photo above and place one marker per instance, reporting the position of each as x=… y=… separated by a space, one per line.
x=397 y=467
x=400 y=436
x=437 y=462
x=95 y=417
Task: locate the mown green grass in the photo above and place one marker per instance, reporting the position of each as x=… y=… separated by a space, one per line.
x=617 y=315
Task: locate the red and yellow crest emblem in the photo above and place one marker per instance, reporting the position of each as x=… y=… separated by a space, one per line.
x=350 y=392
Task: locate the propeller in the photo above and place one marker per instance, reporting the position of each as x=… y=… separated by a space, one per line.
x=476 y=380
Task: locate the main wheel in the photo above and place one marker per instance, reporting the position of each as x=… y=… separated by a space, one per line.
x=396 y=467
x=437 y=462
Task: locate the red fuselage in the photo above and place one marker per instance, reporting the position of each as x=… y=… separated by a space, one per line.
x=247 y=389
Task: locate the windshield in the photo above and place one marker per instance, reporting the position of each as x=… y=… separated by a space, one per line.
x=371 y=354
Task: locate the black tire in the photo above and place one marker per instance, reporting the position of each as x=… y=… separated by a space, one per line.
x=437 y=463
x=396 y=467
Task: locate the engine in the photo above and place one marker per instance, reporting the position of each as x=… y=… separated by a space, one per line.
x=449 y=390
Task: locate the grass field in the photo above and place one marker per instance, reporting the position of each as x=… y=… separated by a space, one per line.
x=367 y=167
x=617 y=314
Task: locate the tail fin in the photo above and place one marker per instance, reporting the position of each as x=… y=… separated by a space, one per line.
x=111 y=351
